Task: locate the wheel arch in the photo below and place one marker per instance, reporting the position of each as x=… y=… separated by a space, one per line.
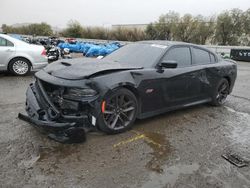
x=131 y=88
x=21 y=57
x=228 y=79
x=101 y=124
x=137 y=95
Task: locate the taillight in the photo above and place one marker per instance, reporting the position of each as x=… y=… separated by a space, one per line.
x=44 y=52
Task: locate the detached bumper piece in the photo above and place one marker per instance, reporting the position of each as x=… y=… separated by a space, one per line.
x=46 y=125
x=235 y=159
x=44 y=115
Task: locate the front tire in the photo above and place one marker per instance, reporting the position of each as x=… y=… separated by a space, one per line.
x=19 y=66
x=221 y=92
x=119 y=111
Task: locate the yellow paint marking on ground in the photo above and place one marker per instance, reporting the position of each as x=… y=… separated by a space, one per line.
x=152 y=142
x=138 y=136
x=149 y=140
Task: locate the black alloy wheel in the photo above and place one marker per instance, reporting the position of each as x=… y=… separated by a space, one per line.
x=221 y=93
x=119 y=112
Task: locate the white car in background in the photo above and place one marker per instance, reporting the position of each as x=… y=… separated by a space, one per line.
x=19 y=57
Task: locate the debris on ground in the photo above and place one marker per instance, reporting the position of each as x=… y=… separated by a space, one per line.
x=235 y=159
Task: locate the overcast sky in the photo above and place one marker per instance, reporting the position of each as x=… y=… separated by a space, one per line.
x=106 y=12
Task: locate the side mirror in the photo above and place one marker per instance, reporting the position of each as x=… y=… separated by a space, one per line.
x=168 y=64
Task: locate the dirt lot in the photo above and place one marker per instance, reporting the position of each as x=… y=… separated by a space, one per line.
x=177 y=149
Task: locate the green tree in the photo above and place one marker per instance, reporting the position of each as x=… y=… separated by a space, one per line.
x=229 y=27
x=246 y=22
x=237 y=16
x=185 y=29
x=6 y=28
x=204 y=29
x=74 y=29
x=151 y=32
x=42 y=29
x=224 y=24
x=164 y=27
x=245 y=38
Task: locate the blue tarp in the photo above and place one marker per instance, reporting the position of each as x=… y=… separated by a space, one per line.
x=90 y=49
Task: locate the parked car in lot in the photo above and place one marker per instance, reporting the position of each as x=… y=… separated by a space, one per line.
x=139 y=80
x=240 y=54
x=19 y=57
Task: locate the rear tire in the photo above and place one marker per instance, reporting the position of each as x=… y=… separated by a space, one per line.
x=221 y=92
x=19 y=66
x=119 y=112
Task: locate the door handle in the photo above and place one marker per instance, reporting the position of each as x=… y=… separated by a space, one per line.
x=9 y=50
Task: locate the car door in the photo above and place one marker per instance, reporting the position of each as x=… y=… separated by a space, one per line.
x=169 y=87
x=7 y=51
x=202 y=60
x=180 y=84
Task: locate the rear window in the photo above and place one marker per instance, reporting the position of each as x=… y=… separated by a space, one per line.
x=201 y=56
x=4 y=42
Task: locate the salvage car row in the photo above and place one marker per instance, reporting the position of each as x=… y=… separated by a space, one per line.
x=20 y=56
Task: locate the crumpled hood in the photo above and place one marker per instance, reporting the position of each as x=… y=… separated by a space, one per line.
x=79 y=68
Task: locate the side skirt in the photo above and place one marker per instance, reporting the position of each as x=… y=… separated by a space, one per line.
x=168 y=109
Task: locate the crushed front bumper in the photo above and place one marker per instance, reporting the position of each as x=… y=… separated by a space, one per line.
x=43 y=114
x=49 y=126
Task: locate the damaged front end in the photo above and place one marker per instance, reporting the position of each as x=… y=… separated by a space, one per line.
x=64 y=112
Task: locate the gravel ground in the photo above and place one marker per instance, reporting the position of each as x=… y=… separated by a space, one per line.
x=177 y=149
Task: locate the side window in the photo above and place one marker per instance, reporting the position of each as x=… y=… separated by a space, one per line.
x=4 y=42
x=181 y=55
x=201 y=57
x=212 y=57
x=9 y=43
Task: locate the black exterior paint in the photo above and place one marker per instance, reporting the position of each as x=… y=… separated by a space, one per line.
x=157 y=89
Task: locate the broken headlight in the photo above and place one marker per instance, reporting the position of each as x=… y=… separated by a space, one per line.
x=78 y=93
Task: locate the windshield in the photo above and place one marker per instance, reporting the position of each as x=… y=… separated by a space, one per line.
x=139 y=54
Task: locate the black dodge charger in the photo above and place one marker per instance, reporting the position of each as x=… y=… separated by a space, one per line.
x=139 y=80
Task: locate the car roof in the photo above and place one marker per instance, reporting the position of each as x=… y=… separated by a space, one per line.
x=6 y=36
x=163 y=42
x=14 y=40
x=171 y=43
